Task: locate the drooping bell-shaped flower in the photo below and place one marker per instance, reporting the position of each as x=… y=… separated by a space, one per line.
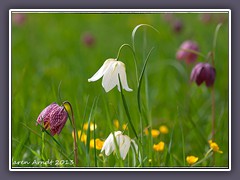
x=184 y=51
x=203 y=72
x=123 y=142
x=53 y=117
x=110 y=71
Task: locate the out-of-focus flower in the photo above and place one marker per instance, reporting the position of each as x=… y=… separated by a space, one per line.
x=110 y=71
x=81 y=135
x=116 y=123
x=191 y=159
x=18 y=18
x=123 y=142
x=154 y=132
x=214 y=146
x=205 y=17
x=88 y=39
x=184 y=52
x=85 y=126
x=168 y=17
x=159 y=146
x=177 y=26
x=163 y=129
x=53 y=117
x=99 y=144
x=203 y=72
x=125 y=127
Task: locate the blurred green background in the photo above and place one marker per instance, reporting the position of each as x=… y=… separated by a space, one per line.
x=52 y=51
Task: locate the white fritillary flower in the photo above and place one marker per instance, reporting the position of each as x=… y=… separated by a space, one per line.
x=123 y=142
x=110 y=71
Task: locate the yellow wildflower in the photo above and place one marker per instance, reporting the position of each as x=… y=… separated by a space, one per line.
x=214 y=146
x=81 y=135
x=85 y=126
x=159 y=146
x=116 y=123
x=154 y=132
x=163 y=129
x=191 y=159
x=125 y=127
x=98 y=142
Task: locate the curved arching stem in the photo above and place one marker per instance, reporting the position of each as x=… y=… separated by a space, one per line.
x=135 y=30
x=68 y=107
x=134 y=57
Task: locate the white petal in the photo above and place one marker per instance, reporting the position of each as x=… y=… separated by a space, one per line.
x=107 y=146
x=101 y=71
x=124 y=148
x=135 y=145
x=136 y=150
x=123 y=77
x=110 y=78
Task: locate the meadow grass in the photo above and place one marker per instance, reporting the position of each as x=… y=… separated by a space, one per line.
x=51 y=63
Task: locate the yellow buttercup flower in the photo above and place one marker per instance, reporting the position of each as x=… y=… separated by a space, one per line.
x=125 y=127
x=154 y=132
x=191 y=159
x=116 y=123
x=159 y=146
x=99 y=144
x=85 y=126
x=163 y=129
x=214 y=146
x=81 y=135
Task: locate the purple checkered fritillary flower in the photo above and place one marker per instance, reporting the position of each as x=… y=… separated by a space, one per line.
x=184 y=54
x=203 y=72
x=53 y=117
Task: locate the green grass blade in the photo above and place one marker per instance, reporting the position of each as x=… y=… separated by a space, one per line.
x=21 y=145
x=140 y=80
x=135 y=30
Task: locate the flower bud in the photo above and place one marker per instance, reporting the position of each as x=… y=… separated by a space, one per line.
x=184 y=54
x=203 y=72
x=177 y=26
x=88 y=39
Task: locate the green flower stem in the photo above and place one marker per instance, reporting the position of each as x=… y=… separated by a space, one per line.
x=126 y=109
x=215 y=37
x=135 y=30
x=117 y=151
x=212 y=55
x=43 y=146
x=134 y=57
x=67 y=104
x=94 y=138
x=207 y=155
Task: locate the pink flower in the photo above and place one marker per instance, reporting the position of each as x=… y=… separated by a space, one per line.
x=177 y=26
x=53 y=117
x=18 y=18
x=203 y=72
x=184 y=54
x=88 y=39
